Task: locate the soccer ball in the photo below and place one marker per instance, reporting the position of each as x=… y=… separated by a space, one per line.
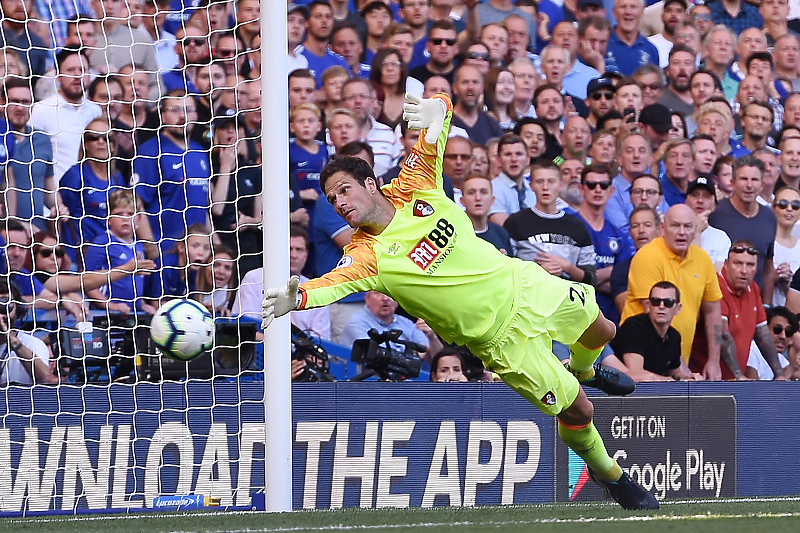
x=182 y=329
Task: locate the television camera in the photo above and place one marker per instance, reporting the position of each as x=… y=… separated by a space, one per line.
x=389 y=364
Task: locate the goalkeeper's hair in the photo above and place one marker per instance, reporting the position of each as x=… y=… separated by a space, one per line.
x=355 y=148
x=356 y=167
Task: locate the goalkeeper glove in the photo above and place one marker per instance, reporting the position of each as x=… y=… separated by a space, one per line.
x=278 y=302
x=428 y=113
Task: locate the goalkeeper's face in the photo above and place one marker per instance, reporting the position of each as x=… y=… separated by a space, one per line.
x=357 y=204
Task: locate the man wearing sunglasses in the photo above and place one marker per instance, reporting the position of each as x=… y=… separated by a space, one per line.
x=442 y=47
x=672 y=257
x=648 y=344
x=782 y=324
x=599 y=99
x=611 y=245
x=743 y=317
x=742 y=217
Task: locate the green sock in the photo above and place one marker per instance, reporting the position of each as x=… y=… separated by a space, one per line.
x=587 y=443
x=581 y=360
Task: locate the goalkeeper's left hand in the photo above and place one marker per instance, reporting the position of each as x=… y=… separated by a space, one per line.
x=278 y=302
x=425 y=114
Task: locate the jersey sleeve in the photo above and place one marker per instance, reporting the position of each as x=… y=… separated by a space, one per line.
x=422 y=168
x=357 y=271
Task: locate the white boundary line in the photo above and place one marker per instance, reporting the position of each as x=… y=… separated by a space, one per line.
x=343 y=527
x=495 y=524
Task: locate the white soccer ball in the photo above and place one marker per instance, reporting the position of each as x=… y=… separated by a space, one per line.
x=182 y=329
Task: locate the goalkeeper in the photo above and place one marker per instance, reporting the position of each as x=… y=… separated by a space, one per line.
x=417 y=246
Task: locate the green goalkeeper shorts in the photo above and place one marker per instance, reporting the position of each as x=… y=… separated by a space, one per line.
x=545 y=308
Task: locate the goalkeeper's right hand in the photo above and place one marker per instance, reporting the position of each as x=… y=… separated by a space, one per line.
x=278 y=302
x=428 y=113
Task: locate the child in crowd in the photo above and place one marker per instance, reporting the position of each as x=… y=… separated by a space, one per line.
x=115 y=248
x=179 y=269
x=307 y=156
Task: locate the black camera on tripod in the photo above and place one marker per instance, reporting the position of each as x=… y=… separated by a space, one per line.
x=388 y=363
x=316 y=357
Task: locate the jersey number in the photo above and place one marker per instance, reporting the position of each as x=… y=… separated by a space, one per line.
x=440 y=235
x=573 y=293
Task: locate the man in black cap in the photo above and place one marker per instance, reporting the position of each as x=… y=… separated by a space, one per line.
x=682 y=64
x=599 y=99
x=701 y=198
x=656 y=121
x=673 y=14
x=590 y=8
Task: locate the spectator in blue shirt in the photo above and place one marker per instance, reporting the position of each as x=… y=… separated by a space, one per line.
x=316 y=48
x=611 y=245
x=179 y=269
x=193 y=49
x=85 y=187
x=628 y=49
x=32 y=161
x=171 y=173
x=679 y=164
x=115 y=248
x=15 y=35
x=379 y=313
x=737 y=15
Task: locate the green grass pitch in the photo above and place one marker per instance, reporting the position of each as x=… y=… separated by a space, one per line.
x=745 y=515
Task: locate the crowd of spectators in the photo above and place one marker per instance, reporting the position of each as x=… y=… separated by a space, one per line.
x=650 y=149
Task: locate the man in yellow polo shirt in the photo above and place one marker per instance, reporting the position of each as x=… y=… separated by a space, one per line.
x=672 y=257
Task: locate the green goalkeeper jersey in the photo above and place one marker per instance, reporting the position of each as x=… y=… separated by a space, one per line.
x=428 y=258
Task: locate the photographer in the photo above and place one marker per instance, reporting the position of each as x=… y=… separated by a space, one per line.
x=24 y=359
x=379 y=314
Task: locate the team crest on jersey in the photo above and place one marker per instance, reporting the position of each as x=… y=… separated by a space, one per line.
x=411 y=160
x=424 y=253
x=549 y=398
x=345 y=261
x=422 y=209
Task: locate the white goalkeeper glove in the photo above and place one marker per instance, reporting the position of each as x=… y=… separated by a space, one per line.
x=278 y=302
x=428 y=113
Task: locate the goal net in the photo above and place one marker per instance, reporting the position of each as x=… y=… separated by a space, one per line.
x=131 y=176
